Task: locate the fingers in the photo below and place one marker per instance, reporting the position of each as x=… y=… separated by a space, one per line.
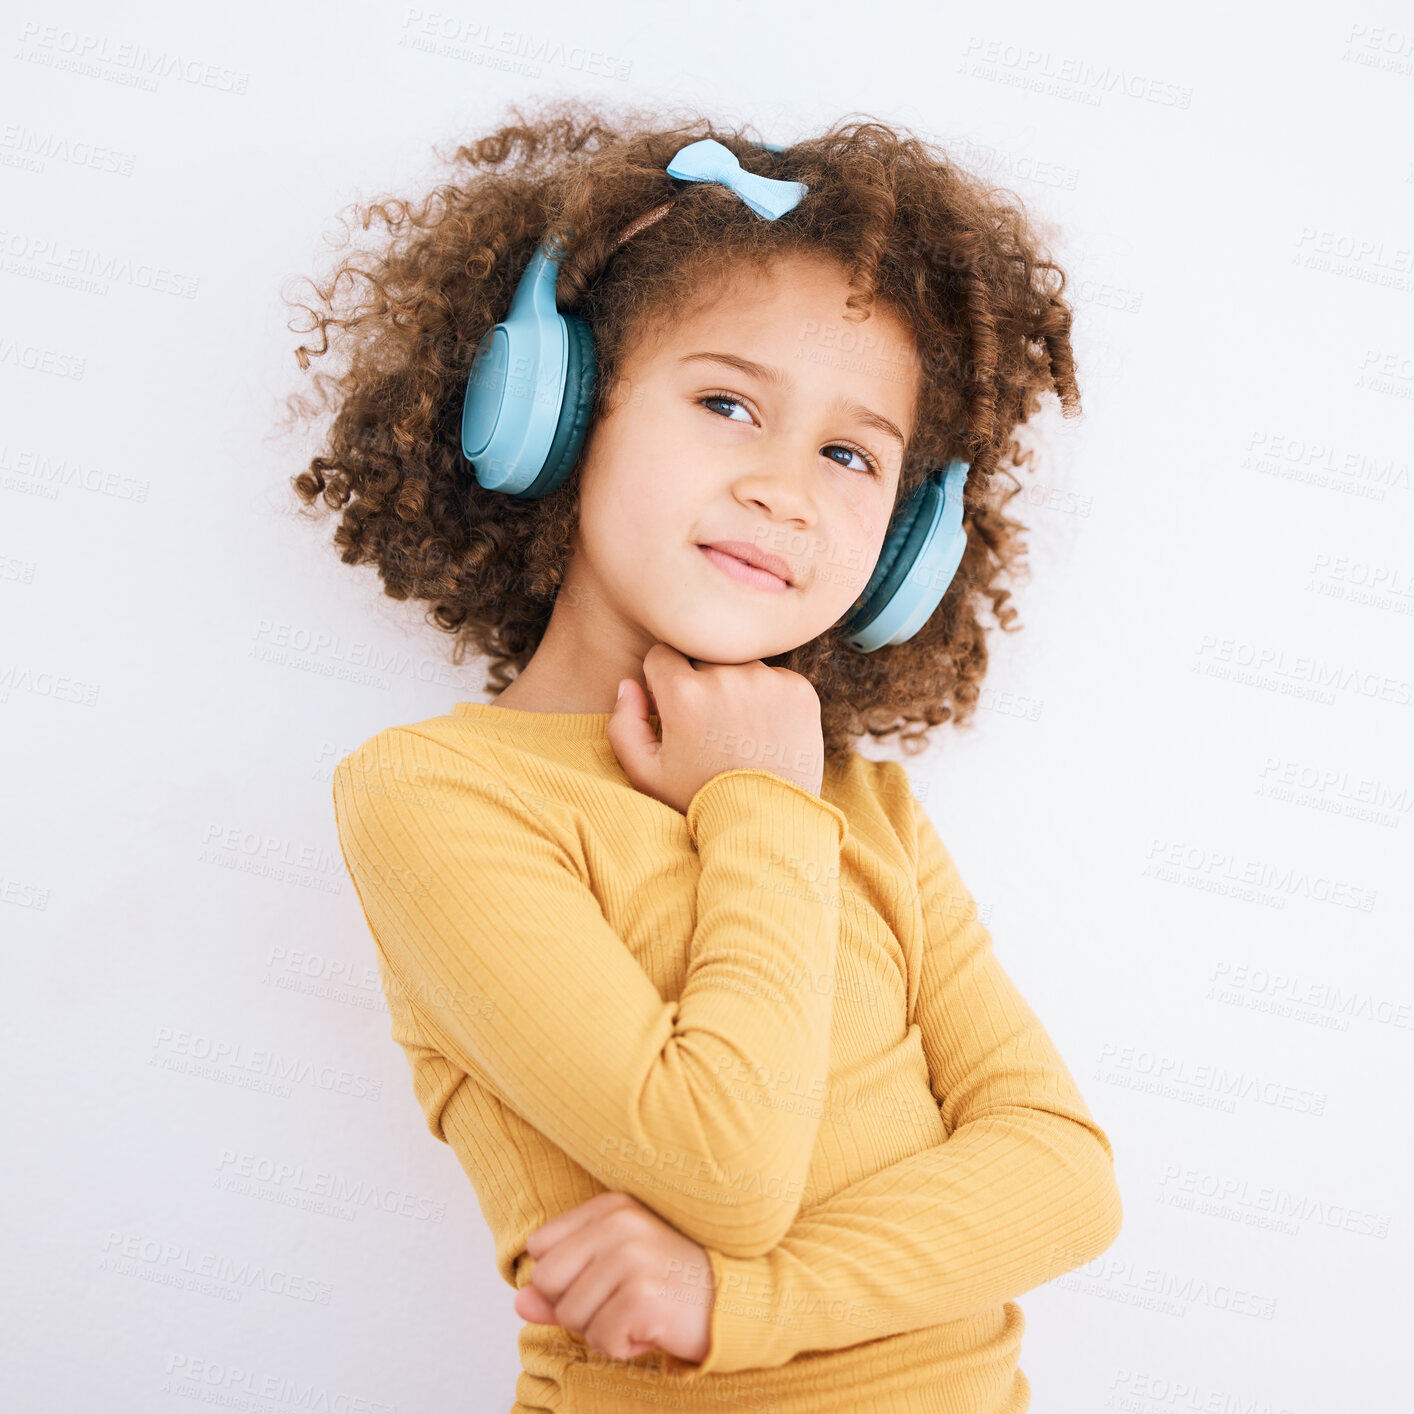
x=580 y=1274
x=662 y=663
x=595 y=1277
x=619 y=1326
x=604 y=1271
x=531 y=1306
x=562 y=1265
x=571 y=1220
x=633 y=740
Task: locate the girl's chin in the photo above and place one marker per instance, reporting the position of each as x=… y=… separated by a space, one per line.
x=712 y=644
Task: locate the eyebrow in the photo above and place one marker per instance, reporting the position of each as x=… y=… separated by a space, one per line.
x=768 y=373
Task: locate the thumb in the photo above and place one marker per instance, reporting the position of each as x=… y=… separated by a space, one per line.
x=631 y=735
x=530 y=1305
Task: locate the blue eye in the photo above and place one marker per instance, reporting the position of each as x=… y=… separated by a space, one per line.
x=868 y=461
x=723 y=398
x=870 y=467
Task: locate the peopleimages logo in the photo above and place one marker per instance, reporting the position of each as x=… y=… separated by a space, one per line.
x=1066 y=76
x=1284 y=880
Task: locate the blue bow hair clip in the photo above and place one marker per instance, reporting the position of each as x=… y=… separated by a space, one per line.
x=709 y=161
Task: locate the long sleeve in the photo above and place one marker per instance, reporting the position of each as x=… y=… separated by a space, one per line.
x=479 y=903
x=1022 y=1190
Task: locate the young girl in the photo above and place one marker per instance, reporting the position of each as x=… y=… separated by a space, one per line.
x=692 y=988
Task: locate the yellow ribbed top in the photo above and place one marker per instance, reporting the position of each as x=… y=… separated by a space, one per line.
x=776 y=1020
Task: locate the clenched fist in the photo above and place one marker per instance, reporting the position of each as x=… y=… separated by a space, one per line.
x=614 y=1272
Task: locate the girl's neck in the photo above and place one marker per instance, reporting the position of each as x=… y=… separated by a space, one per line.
x=524 y=697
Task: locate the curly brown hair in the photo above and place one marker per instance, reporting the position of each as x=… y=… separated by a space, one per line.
x=957 y=260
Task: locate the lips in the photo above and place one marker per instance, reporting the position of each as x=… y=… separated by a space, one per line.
x=750 y=555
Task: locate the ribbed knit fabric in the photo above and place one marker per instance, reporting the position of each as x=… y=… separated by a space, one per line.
x=776 y=1020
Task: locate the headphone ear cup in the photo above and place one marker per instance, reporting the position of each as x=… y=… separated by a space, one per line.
x=899 y=551
x=917 y=562
x=576 y=405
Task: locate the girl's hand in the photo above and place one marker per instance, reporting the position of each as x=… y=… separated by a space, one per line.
x=715 y=718
x=615 y=1273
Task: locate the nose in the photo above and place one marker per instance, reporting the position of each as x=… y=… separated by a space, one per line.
x=780 y=483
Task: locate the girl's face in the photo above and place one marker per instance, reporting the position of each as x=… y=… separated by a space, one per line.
x=763 y=417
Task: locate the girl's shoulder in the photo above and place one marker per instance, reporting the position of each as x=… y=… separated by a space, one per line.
x=442 y=773
x=878 y=791
x=446 y=732
x=435 y=752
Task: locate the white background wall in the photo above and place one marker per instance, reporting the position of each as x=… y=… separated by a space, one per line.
x=1186 y=805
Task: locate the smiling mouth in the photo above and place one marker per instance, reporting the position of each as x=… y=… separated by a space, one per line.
x=742 y=572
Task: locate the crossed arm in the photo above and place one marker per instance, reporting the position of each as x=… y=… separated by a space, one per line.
x=1022 y=1190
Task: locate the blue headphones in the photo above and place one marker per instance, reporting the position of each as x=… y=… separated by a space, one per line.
x=531 y=389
